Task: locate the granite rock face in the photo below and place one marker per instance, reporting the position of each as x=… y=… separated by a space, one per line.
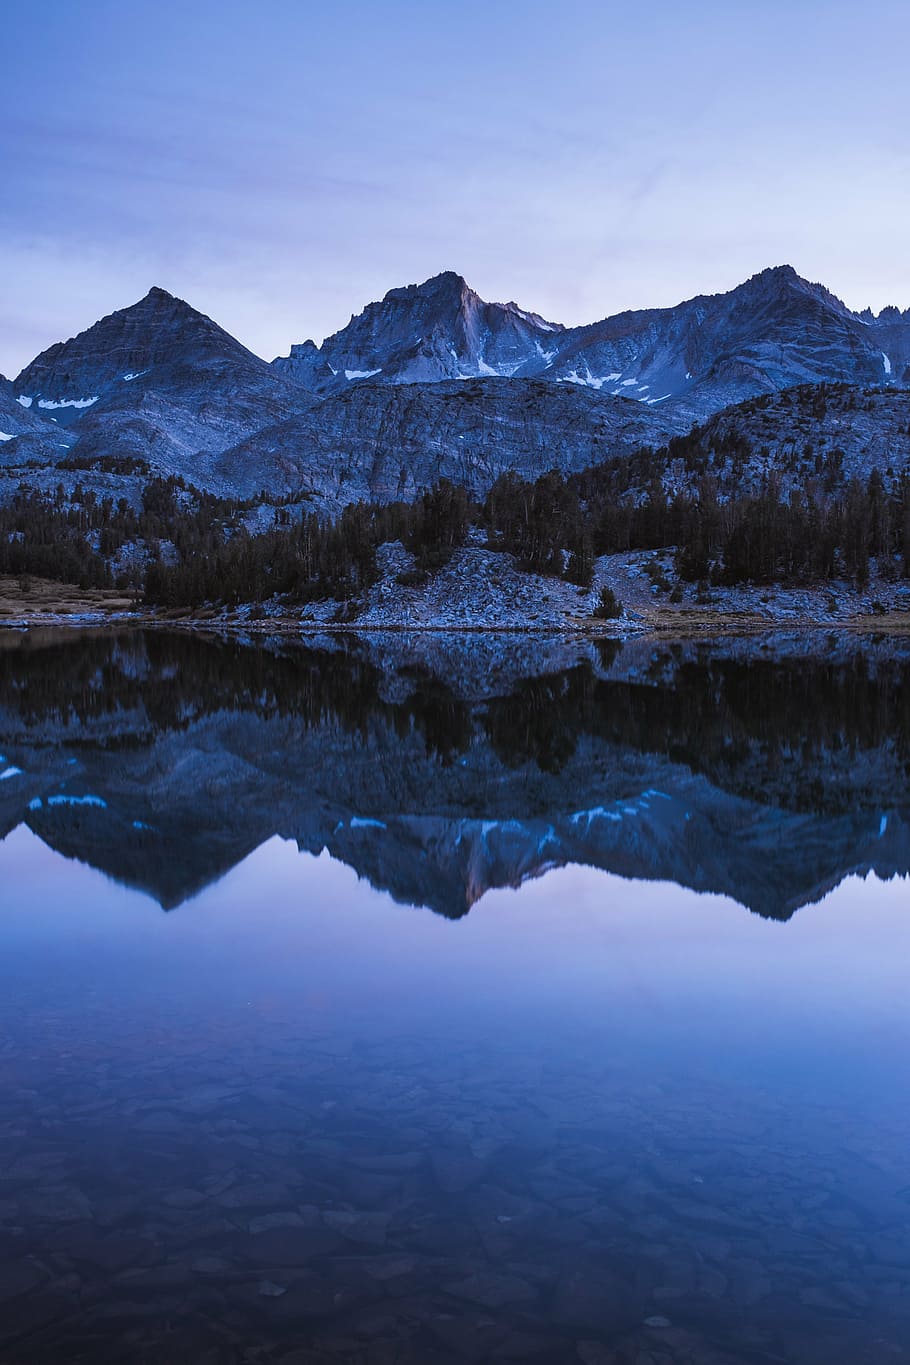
x=385 y=443
x=771 y=332
x=423 y=333
x=157 y=382
x=430 y=382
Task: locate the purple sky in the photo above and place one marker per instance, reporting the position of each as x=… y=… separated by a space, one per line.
x=282 y=164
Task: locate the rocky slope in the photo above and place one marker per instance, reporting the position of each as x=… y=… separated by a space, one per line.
x=822 y=432
x=481 y=589
x=387 y=443
x=434 y=381
x=423 y=333
x=17 y=420
x=157 y=382
x=773 y=331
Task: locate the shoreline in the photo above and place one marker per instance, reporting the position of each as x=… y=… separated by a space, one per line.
x=482 y=592
x=682 y=625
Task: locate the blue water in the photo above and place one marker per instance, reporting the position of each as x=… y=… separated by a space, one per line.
x=423 y=1001
x=594 y=1120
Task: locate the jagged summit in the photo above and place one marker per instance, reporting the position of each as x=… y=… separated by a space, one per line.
x=782 y=281
x=446 y=282
x=162 y=384
x=419 y=333
x=151 y=341
x=774 y=330
x=450 y=286
x=781 y=273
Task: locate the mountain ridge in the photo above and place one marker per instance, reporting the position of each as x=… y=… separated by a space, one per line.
x=161 y=389
x=706 y=351
x=157 y=381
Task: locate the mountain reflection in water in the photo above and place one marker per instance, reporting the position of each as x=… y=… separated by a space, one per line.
x=441 y=768
x=603 y=1119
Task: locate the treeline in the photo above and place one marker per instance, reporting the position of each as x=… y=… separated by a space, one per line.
x=560 y=525
x=313 y=559
x=192 y=548
x=42 y=539
x=77 y=536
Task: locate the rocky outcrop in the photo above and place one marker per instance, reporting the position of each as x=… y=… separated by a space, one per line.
x=425 y=333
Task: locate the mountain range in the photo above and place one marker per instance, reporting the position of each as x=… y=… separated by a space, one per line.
x=430 y=381
x=774 y=331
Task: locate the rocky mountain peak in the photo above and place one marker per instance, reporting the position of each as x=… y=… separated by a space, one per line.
x=159 y=382
x=162 y=295
x=892 y=314
x=775 y=330
x=783 y=281
x=773 y=277
x=418 y=333
x=142 y=344
x=446 y=285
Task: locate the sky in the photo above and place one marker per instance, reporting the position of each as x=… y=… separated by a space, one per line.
x=282 y=164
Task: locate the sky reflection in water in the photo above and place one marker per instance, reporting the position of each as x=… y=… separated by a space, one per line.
x=596 y=1119
x=820 y=1001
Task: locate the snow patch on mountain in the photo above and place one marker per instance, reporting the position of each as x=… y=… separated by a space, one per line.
x=588 y=380
x=66 y=402
x=493 y=371
x=96 y=801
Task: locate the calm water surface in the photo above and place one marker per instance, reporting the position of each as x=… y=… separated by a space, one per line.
x=595 y=1109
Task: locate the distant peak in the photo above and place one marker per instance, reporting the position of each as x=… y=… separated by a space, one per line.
x=774 y=276
x=449 y=279
x=162 y=298
x=447 y=282
x=782 y=283
x=161 y=308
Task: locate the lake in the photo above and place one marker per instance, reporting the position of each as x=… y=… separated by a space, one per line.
x=421 y=998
